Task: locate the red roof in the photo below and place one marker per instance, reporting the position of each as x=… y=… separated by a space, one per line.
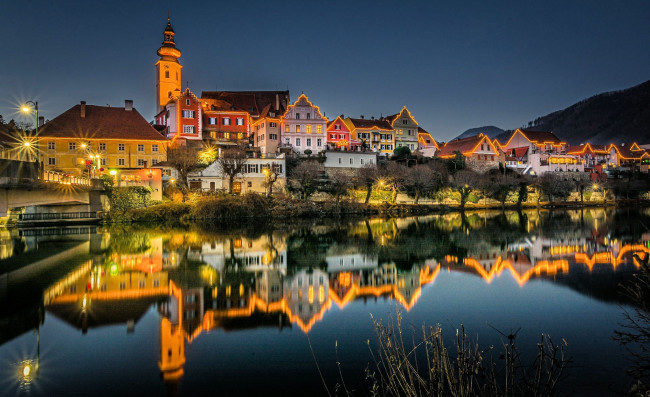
x=100 y=122
x=464 y=145
x=540 y=136
x=369 y=123
x=625 y=151
x=253 y=102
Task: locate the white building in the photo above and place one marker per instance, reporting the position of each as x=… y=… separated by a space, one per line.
x=304 y=127
x=340 y=159
x=252 y=179
x=538 y=152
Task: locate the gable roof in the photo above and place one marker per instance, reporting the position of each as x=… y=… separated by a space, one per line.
x=100 y=122
x=253 y=102
x=466 y=146
x=380 y=124
x=392 y=118
x=632 y=151
x=586 y=148
x=426 y=139
x=540 y=137
x=338 y=118
x=303 y=100
x=517 y=153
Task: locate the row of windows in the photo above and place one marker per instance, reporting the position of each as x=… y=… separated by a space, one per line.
x=225 y=120
x=333 y=136
x=352 y=163
x=400 y=131
x=319 y=142
x=273 y=137
x=256 y=168
x=105 y=163
x=72 y=146
x=307 y=116
x=271 y=125
x=308 y=129
x=228 y=135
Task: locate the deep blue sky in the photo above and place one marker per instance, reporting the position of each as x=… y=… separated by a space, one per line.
x=455 y=65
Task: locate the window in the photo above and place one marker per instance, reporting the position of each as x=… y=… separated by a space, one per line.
x=120 y=162
x=319 y=142
x=287 y=141
x=319 y=129
x=337 y=127
x=142 y=163
x=188 y=114
x=252 y=168
x=286 y=128
x=140 y=148
x=225 y=121
x=273 y=137
x=240 y=121
x=120 y=147
x=153 y=161
x=187 y=102
x=339 y=160
x=351 y=160
x=72 y=145
x=341 y=136
x=104 y=161
x=51 y=146
x=308 y=141
x=250 y=184
x=405 y=121
x=297 y=141
x=212 y=120
x=51 y=161
x=308 y=116
x=297 y=128
x=154 y=148
x=297 y=116
x=166 y=74
x=102 y=146
x=188 y=129
x=308 y=129
x=361 y=164
x=389 y=137
x=273 y=125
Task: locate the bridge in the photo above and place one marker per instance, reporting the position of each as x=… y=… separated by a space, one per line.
x=22 y=186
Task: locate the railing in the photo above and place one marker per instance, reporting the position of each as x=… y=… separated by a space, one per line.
x=66 y=179
x=57 y=231
x=49 y=216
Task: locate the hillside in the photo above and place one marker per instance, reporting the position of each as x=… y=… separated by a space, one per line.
x=489 y=130
x=612 y=117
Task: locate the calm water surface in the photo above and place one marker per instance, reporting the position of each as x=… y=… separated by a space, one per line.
x=234 y=311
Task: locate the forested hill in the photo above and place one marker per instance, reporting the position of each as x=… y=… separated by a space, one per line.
x=612 y=117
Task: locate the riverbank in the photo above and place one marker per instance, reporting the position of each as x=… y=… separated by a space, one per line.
x=264 y=209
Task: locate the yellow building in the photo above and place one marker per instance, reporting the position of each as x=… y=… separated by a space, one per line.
x=168 y=69
x=91 y=140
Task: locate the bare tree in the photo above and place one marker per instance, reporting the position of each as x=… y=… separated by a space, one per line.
x=581 y=181
x=393 y=176
x=367 y=176
x=270 y=177
x=422 y=181
x=553 y=186
x=466 y=181
x=498 y=186
x=304 y=176
x=339 y=183
x=182 y=159
x=232 y=162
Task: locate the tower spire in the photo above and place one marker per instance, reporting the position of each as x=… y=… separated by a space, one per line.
x=168 y=67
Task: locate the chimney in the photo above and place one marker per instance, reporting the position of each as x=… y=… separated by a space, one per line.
x=128 y=105
x=277 y=101
x=83 y=109
x=41 y=121
x=362 y=117
x=372 y=117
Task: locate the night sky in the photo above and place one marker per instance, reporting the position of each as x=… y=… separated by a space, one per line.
x=456 y=65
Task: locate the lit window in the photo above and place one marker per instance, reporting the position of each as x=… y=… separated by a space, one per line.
x=240 y=121
x=212 y=120
x=226 y=121
x=308 y=129
x=319 y=129
x=297 y=128
x=286 y=128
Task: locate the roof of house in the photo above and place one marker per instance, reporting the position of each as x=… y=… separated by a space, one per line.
x=100 y=122
x=426 y=138
x=463 y=145
x=370 y=123
x=253 y=102
x=539 y=136
x=517 y=153
x=632 y=151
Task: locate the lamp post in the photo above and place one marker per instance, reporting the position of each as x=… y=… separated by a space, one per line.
x=26 y=108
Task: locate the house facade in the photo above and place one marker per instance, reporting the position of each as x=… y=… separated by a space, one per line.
x=349 y=159
x=539 y=152
x=339 y=136
x=92 y=140
x=479 y=152
x=266 y=133
x=252 y=179
x=405 y=129
x=628 y=157
x=426 y=144
x=303 y=127
x=373 y=134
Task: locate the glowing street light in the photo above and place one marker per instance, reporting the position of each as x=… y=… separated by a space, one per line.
x=27 y=108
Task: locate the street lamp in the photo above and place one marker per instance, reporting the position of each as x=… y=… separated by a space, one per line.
x=27 y=108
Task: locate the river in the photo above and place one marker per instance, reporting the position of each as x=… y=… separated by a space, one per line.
x=286 y=310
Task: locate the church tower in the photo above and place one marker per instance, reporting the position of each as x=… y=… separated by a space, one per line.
x=168 y=69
